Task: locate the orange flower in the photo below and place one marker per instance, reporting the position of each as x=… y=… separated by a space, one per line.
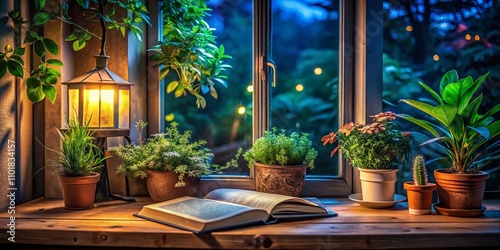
x=329 y=138
x=384 y=116
x=348 y=127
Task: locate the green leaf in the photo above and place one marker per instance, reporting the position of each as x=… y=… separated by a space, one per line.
x=55 y=62
x=424 y=107
x=15 y=68
x=77 y=45
x=35 y=94
x=494 y=129
x=19 y=51
x=3 y=68
x=488 y=114
x=111 y=11
x=41 y=18
x=445 y=114
x=122 y=30
x=53 y=72
x=51 y=79
x=17 y=59
x=179 y=91
x=39 y=48
x=50 y=92
x=33 y=82
x=470 y=112
x=432 y=92
x=424 y=124
x=449 y=77
x=39 y=4
x=172 y=86
x=70 y=37
x=51 y=46
x=83 y=3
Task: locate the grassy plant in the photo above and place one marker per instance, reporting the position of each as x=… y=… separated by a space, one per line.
x=419 y=171
x=278 y=148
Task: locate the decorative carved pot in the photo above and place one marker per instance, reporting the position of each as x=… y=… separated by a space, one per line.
x=276 y=179
x=161 y=185
x=419 y=197
x=79 y=192
x=460 y=191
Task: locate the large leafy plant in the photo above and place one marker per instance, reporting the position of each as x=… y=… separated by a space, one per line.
x=170 y=151
x=278 y=148
x=188 y=47
x=41 y=80
x=455 y=124
x=378 y=145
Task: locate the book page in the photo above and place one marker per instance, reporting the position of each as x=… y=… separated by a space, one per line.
x=255 y=199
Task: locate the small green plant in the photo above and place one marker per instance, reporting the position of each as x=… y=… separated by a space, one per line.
x=378 y=145
x=169 y=151
x=419 y=171
x=78 y=155
x=465 y=137
x=278 y=148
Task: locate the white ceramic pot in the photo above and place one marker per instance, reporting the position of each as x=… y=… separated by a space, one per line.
x=378 y=184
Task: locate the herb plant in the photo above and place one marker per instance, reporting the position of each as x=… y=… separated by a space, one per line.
x=169 y=151
x=278 y=148
x=378 y=145
x=455 y=125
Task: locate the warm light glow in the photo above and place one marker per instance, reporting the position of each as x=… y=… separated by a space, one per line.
x=124 y=109
x=73 y=99
x=91 y=106
x=299 y=87
x=250 y=88
x=242 y=110
x=170 y=117
x=435 y=57
x=467 y=37
x=409 y=28
x=107 y=108
x=477 y=38
x=318 y=71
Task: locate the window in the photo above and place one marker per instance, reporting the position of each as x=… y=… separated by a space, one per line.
x=425 y=39
x=311 y=47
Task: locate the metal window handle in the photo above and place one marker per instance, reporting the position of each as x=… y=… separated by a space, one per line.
x=275 y=73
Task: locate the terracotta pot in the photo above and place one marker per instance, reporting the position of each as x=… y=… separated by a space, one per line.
x=460 y=191
x=79 y=192
x=419 y=197
x=276 y=179
x=378 y=184
x=161 y=185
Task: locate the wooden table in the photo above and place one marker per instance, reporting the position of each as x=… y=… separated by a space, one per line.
x=45 y=222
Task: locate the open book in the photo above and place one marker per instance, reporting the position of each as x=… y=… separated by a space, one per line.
x=228 y=208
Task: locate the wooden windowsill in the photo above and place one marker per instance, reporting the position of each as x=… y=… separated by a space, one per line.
x=111 y=224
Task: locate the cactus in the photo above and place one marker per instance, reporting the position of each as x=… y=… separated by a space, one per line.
x=419 y=171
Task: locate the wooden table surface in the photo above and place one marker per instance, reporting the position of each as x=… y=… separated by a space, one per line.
x=44 y=222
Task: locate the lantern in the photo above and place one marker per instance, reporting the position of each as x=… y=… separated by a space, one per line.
x=101 y=96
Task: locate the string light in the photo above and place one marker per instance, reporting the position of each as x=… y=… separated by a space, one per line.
x=299 y=87
x=409 y=28
x=170 y=117
x=435 y=57
x=242 y=110
x=318 y=71
x=467 y=37
x=250 y=88
x=477 y=38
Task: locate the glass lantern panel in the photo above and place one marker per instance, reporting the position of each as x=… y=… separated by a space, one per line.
x=91 y=107
x=124 y=108
x=73 y=103
x=107 y=108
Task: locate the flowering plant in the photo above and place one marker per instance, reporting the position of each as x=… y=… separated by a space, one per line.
x=378 y=145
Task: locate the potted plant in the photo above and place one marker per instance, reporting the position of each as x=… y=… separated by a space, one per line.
x=419 y=191
x=376 y=149
x=188 y=47
x=464 y=136
x=79 y=162
x=281 y=161
x=170 y=162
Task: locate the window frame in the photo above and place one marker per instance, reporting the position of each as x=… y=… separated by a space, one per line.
x=354 y=103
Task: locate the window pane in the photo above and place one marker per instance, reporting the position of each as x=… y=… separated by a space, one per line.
x=304 y=47
x=425 y=39
x=226 y=122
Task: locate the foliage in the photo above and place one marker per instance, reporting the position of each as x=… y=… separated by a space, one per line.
x=456 y=125
x=377 y=145
x=419 y=171
x=40 y=83
x=78 y=155
x=399 y=80
x=169 y=151
x=188 y=47
x=278 y=148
